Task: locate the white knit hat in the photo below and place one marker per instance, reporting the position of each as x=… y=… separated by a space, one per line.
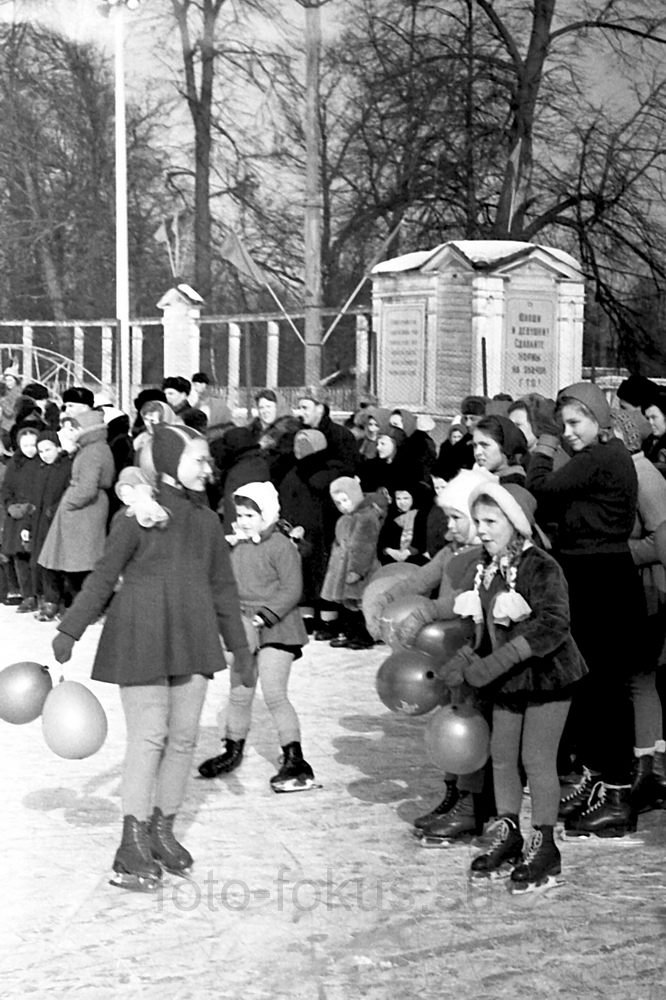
x=456 y=494
x=266 y=498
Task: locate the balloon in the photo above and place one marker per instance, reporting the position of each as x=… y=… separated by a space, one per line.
x=458 y=739
x=660 y=542
x=396 y=613
x=73 y=721
x=394 y=571
x=23 y=690
x=444 y=638
x=406 y=682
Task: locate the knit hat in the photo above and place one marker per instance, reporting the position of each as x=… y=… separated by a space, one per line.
x=637 y=390
x=178 y=383
x=457 y=492
x=266 y=498
x=49 y=436
x=352 y=487
x=308 y=442
x=168 y=444
x=591 y=396
x=514 y=501
x=473 y=405
x=78 y=394
x=633 y=428
x=511 y=439
x=456 y=426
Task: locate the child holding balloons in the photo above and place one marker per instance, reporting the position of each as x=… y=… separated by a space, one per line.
x=161 y=644
x=527 y=664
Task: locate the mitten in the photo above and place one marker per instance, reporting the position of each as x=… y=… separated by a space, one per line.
x=543 y=419
x=452 y=672
x=352 y=577
x=483 y=670
x=407 y=630
x=63 y=645
x=17 y=510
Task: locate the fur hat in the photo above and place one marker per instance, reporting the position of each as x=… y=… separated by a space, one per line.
x=201 y=377
x=633 y=428
x=78 y=394
x=178 y=383
x=591 y=396
x=352 y=487
x=514 y=501
x=473 y=405
x=147 y=395
x=637 y=390
x=308 y=442
x=264 y=496
x=168 y=444
x=35 y=390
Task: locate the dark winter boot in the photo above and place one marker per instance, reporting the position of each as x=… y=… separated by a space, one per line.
x=445 y=806
x=659 y=780
x=609 y=814
x=460 y=823
x=164 y=846
x=541 y=863
x=134 y=865
x=642 y=790
x=504 y=852
x=577 y=797
x=224 y=762
x=295 y=774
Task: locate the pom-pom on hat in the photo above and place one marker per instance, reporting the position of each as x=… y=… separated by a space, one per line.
x=78 y=394
x=352 y=487
x=514 y=501
x=168 y=444
x=308 y=442
x=264 y=496
x=591 y=396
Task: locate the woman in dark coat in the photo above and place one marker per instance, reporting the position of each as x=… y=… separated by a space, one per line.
x=20 y=497
x=56 y=472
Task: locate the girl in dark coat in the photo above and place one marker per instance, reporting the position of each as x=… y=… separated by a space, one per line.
x=161 y=643
x=526 y=663
x=56 y=469
x=20 y=496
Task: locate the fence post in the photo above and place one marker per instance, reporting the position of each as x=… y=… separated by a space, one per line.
x=28 y=343
x=362 y=345
x=136 y=370
x=272 y=353
x=107 y=355
x=233 y=368
x=78 y=355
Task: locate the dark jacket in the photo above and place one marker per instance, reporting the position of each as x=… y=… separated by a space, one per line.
x=342 y=445
x=55 y=480
x=21 y=486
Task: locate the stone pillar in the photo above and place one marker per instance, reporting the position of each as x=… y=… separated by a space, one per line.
x=136 y=371
x=487 y=334
x=107 y=355
x=233 y=369
x=181 y=308
x=569 y=347
x=78 y=355
x=362 y=346
x=28 y=345
x=272 y=353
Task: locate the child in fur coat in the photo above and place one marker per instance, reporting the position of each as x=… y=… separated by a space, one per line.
x=353 y=557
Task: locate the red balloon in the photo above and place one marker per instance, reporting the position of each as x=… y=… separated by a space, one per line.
x=442 y=639
x=23 y=690
x=458 y=739
x=396 y=613
x=73 y=721
x=660 y=542
x=406 y=682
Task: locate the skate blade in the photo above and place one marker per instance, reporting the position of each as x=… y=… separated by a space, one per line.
x=134 y=883
x=605 y=835
x=482 y=878
x=294 y=785
x=443 y=843
x=525 y=889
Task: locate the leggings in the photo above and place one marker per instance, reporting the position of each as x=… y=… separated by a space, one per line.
x=273 y=666
x=162 y=721
x=539 y=729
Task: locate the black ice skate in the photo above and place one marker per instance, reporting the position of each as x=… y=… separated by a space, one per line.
x=421 y=823
x=609 y=813
x=504 y=852
x=134 y=865
x=295 y=774
x=461 y=823
x=225 y=762
x=576 y=799
x=541 y=866
x=173 y=857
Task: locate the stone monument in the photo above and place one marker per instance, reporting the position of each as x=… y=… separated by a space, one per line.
x=181 y=307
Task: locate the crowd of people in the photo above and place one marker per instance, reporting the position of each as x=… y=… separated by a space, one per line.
x=536 y=519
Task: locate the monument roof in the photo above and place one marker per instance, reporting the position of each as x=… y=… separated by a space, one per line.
x=482 y=254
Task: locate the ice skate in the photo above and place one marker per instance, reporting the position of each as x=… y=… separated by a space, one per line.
x=504 y=852
x=295 y=774
x=421 y=823
x=458 y=825
x=609 y=814
x=576 y=799
x=541 y=866
x=225 y=762
x=134 y=866
x=166 y=850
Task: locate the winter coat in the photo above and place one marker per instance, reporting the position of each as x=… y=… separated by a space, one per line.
x=178 y=595
x=55 y=479
x=75 y=540
x=342 y=445
x=305 y=500
x=270 y=583
x=654 y=447
x=354 y=551
x=22 y=485
x=247 y=467
x=651 y=512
